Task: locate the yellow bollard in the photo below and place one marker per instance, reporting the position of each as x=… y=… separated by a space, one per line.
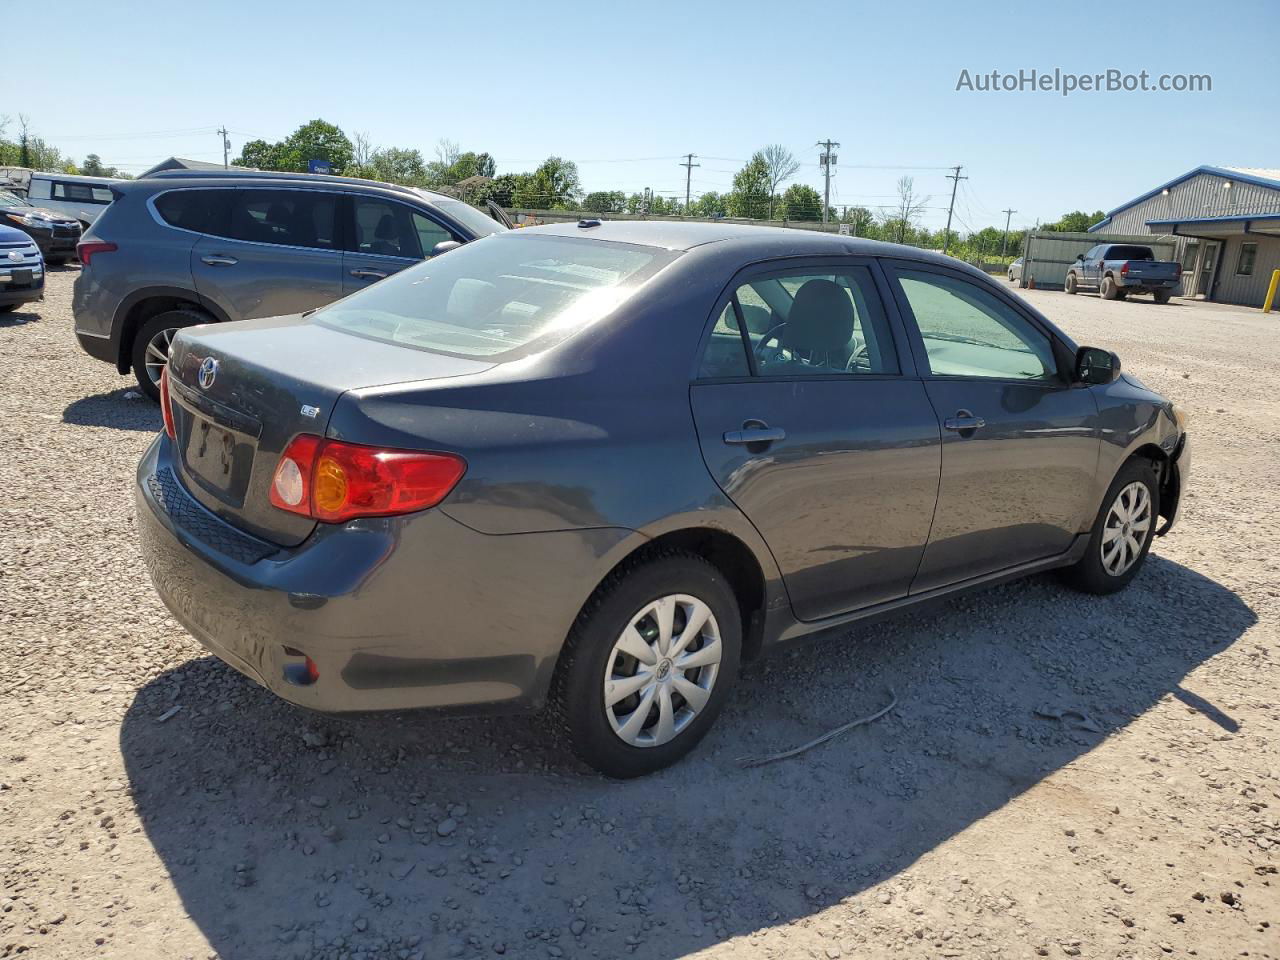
x=1271 y=291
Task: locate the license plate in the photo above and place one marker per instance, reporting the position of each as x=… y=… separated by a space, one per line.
x=20 y=277
x=219 y=459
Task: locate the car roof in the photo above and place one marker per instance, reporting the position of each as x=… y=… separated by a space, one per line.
x=749 y=239
x=222 y=178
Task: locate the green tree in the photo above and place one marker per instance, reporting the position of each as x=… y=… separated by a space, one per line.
x=710 y=204
x=782 y=166
x=800 y=202
x=1077 y=221
x=862 y=222
x=396 y=165
x=750 y=195
x=555 y=184
x=317 y=140
x=605 y=201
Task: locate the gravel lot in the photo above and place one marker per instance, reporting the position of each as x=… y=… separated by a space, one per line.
x=153 y=803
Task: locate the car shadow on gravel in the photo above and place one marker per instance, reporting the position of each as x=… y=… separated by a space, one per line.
x=290 y=834
x=123 y=409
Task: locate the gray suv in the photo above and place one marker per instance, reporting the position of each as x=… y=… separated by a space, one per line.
x=180 y=249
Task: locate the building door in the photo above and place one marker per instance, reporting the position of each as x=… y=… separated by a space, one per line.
x=1208 y=267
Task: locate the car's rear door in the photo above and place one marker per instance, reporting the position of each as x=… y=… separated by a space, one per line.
x=1019 y=441
x=278 y=252
x=811 y=420
x=385 y=236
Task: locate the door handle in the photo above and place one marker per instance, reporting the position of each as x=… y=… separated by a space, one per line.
x=755 y=431
x=964 y=422
x=364 y=274
x=219 y=260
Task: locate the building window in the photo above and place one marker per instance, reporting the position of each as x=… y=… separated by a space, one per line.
x=1248 y=254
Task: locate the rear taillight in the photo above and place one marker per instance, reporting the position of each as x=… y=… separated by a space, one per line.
x=166 y=406
x=333 y=481
x=86 y=250
x=1124 y=269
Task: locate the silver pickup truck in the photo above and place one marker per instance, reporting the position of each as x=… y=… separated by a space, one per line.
x=1118 y=269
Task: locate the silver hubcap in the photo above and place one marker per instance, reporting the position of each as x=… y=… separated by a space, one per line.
x=661 y=670
x=1126 y=528
x=158 y=353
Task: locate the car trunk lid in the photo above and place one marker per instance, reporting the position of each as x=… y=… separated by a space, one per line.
x=241 y=392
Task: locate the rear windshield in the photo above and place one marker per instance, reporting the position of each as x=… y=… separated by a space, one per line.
x=481 y=224
x=1129 y=252
x=499 y=297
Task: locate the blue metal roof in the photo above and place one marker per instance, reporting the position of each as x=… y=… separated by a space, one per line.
x=1226 y=172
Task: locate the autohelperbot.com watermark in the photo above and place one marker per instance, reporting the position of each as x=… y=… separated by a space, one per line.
x=1065 y=82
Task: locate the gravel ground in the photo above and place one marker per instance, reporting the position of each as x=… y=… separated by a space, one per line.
x=153 y=803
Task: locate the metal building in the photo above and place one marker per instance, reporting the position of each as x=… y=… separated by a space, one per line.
x=1226 y=224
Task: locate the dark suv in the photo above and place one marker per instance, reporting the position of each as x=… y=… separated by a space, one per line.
x=180 y=249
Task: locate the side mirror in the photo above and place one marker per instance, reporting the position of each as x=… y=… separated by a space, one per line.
x=444 y=246
x=1079 y=256
x=1094 y=365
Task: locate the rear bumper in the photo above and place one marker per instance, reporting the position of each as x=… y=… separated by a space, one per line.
x=1141 y=284
x=417 y=611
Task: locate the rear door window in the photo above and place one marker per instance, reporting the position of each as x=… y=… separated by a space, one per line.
x=200 y=211
x=291 y=218
x=81 y=192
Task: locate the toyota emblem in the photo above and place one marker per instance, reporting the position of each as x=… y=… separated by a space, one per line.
x=208 y=373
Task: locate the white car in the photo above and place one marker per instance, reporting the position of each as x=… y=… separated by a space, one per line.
x=81 y=197
x=1015 y=271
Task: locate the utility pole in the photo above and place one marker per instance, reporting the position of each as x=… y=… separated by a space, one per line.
x=826 y=160
x=1005 y=242
x=226 y=145
x=688 y=177
x=956 y=178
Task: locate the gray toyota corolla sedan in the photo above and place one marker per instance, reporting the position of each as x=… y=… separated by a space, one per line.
x=596 y=466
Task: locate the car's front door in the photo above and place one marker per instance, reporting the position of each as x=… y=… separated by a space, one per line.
x=384 y=237
x=1019 y=441
x=812 y=422
x=277 y=251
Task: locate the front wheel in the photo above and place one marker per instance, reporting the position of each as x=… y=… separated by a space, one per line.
x=648 y=665
x=1070 y=284
x=151 y=345
x=1122 y=533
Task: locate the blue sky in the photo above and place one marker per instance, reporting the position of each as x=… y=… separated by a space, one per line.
x=624 y=89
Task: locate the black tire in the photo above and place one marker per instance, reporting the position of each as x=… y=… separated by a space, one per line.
x=1109 y=290
x=170 y=320
x=1090 y=575
x=1161 y=296
x=8 y=307
x=1070 y=284
x=577 y=696
x=55 y=261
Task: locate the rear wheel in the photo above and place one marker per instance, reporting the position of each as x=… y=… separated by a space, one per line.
x=648 y=665
x=1109 y=289
x=1070 y=284
x=1162 y=296
x=152 y=342
x=1122 y=533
